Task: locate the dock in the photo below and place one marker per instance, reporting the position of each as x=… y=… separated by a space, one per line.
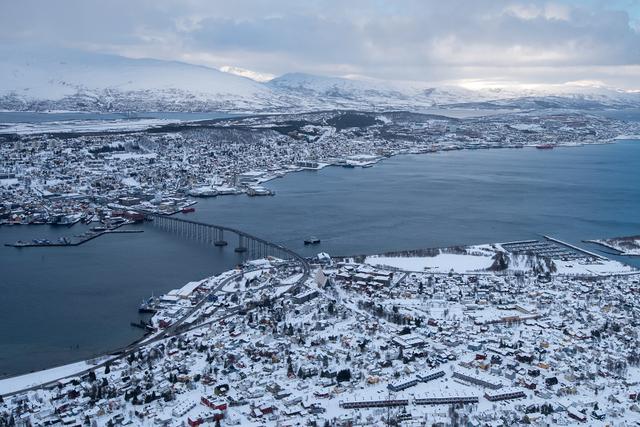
x=63 y=242
x=575 y=248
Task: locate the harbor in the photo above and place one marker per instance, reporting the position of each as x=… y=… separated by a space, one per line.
x=75 y=240
x=90 y=291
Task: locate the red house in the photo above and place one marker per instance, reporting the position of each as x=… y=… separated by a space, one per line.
x=205 y=417
x=214 y=402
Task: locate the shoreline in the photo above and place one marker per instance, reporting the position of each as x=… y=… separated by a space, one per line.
x=618 y=252
x=89 y=364
x=371 y=161
x=379 y=160
x=100 y=360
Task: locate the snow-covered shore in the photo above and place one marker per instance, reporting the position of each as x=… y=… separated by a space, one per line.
x=35 y=379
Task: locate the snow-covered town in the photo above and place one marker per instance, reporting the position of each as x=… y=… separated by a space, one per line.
x=320 y=213
x=532 y=332
x=62 y=178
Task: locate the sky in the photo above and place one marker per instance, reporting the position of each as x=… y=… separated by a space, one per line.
x=476 y=43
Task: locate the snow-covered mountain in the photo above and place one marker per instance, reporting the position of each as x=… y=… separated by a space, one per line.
x=417 y=94
x=72 y=80
x=353 y=92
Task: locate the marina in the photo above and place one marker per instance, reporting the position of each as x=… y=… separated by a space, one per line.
x=551 y=247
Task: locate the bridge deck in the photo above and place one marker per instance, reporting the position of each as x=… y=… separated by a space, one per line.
x=241 y=234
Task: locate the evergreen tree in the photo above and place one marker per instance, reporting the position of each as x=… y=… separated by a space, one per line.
x=344 y=375
x=289 y=366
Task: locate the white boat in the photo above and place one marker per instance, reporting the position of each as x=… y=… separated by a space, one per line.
x=203 y=192
x=69 y=219
x=259 y=191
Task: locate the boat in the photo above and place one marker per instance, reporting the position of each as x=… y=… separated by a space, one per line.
x=148 y=306
x=259 y=191
x=188 y=210
x=68 y=220
x=545 y=146
x=223 y=191
x=143 y=325
x=311 y=240
x=203 y=192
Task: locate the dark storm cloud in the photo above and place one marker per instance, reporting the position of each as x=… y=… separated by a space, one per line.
x=425 y=40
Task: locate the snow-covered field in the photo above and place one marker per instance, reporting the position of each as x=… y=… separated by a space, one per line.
x=598 y=267
x=442 y=263
x=7 y=182
x=478 y=260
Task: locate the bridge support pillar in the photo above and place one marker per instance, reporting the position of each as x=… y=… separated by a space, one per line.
x=219 y=238
x=241 y=244
x=254 y=254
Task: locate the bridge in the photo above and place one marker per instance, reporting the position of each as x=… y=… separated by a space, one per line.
x=250 y=246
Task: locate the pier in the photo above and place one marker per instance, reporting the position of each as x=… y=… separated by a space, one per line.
x=575 y=248
x=64 y=241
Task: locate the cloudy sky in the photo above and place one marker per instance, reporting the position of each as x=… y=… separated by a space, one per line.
x=475 y=42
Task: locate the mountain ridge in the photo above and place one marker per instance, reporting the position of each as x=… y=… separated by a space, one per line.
x=80 y=81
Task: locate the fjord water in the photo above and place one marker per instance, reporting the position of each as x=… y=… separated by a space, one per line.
x=64 y=304
x=448 y=198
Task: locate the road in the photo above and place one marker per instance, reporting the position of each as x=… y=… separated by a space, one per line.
x=171 y=331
